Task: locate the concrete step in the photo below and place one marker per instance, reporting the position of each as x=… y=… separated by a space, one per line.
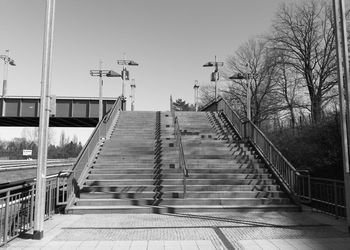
x=112 y=209
x=178 y=188
x=135 y=176
x=114 y=202
x=179 y=209
x=140 y=182
x=118 y=188
x=114 y=170
x=169 y=195
x=116 y=195
x=123 y=165
x=226 y=201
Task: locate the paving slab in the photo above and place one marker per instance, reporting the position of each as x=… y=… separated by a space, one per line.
x=202 y=231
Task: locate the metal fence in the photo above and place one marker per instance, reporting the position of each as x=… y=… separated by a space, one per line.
x=17 y=207
x=322 y=194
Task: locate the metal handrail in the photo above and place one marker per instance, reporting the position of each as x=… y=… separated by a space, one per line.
x=247 y=130
x=177 y=135
x=84 y=159
x=182 y=161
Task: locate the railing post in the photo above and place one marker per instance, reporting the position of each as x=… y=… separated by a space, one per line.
x=32 y=205
x=50 y=198
x=309 y=187
x=335 y=200
x=6 y=226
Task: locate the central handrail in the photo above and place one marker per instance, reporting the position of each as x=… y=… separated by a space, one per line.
x=80 y=168
x=182 y=162
x=177 y=135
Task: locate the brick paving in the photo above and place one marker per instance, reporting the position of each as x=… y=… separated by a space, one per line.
x=239 y=230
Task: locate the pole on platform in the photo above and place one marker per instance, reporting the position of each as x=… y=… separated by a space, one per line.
x=195 y=88
x=6 y=69
x=39 y=211
x=132 y=95
x=249 y=109
x=344 y=93
x=100 y=101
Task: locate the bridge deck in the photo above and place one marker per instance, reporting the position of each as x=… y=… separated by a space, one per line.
x=65 y=111
x=268 y=230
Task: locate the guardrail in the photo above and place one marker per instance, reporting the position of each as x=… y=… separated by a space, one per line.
x=325 y=195
x=17 y=207
x=84 y=160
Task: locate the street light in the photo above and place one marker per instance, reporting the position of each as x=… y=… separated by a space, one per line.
x=125 y=72
x=132 y=95
x=7 y=60
x=100 y=73
x=195 y=88
x=215 y=74
x=246 y=76
x=40 y=203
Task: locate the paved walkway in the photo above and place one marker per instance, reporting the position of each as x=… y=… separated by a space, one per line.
x=269 y=230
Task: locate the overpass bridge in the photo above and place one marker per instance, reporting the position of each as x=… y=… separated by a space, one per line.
x=23 y=111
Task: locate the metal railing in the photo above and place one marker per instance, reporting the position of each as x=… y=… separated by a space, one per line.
x=248 y=131
x=182 y=161
x=17 y=207
x=177 y=135
x=325 y=195
x=86 y=156
x=322 y=194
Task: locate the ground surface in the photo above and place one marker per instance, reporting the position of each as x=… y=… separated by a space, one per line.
x=269 y=230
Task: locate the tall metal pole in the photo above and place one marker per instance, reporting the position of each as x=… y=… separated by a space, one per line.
x=100 y=101
x=216 y=80
x=249 y=112
x=6 y=68
x=195 y=87
x=344 y=95
x=44 y=121
x=132 y=96
x=123 y=84
x=344 y=44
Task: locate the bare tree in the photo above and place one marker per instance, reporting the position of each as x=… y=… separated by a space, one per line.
x=305 y=33
x=253 y=58
x=290 y=86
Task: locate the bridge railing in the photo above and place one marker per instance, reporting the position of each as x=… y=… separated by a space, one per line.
x=86 y=156
x=17 y=207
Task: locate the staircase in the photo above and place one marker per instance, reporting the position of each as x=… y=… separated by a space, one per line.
x=137 y=169
x=224 y=174
x=121 y=178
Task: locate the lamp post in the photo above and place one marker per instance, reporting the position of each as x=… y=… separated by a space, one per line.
x=125 y=72
x=39 y=211
x=132 y=95
x=195 y=88
x=246 y=76
x=100 y=73
x=7 y=60
x=215 y=74
x=344 y=94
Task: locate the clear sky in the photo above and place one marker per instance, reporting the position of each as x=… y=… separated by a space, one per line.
x=170 y=40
